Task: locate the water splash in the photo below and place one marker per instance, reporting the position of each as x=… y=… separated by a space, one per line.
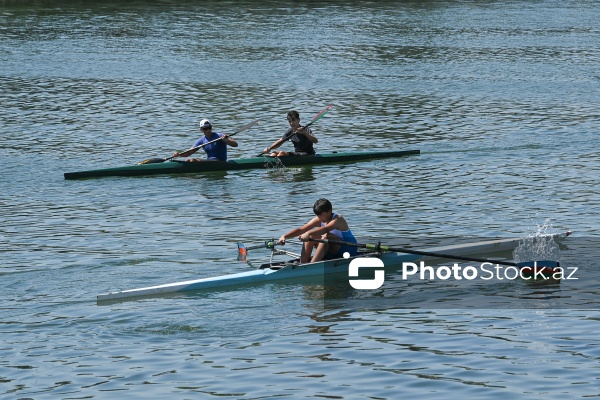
x=274 y=163
x=539 y=245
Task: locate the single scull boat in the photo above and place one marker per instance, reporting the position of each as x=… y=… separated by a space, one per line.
x=182 y=167
x=294 y=270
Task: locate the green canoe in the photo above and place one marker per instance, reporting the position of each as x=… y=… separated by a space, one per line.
x=181 y=167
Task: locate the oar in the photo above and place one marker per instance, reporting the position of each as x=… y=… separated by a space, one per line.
x=160 y=160
x=242 y=250
x=378 y=247
x=312 y=121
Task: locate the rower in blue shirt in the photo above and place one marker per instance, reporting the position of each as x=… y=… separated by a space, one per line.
x=325 y=225
x=216 y=151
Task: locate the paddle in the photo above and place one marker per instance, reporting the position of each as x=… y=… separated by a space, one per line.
x=312 y=121
x=160 y=160
x=378 y=247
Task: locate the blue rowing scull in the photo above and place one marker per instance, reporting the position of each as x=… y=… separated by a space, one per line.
x=290 y=270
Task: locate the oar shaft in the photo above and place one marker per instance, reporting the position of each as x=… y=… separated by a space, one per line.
x=267 y=244
x=378 y=247
x=259 y=246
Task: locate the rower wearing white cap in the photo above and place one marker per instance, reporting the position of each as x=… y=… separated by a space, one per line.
x=215 y=151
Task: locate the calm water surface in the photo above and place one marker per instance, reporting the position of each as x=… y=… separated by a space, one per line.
x=502 y=100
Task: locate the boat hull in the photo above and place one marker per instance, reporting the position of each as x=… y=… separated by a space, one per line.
x=180 y=167
x=267 y=273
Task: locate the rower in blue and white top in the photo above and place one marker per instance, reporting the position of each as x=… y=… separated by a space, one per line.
x=326 y=225
x=216 y=151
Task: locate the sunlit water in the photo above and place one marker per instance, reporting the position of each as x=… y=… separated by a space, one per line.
x=501 y=99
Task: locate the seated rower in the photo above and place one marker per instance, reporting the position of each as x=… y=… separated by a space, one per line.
x=216 y=151
x=326 y=225
x=302 y=138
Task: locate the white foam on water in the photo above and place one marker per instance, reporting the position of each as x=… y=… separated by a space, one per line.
x=538 y=245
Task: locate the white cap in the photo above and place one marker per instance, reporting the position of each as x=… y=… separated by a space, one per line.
x=205 y=123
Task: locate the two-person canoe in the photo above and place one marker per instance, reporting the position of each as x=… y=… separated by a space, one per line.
x=291 y=270
x=182 y=167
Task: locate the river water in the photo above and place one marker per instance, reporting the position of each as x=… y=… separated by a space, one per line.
x=502 y=99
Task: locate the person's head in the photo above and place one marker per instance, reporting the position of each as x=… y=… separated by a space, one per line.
x=293 y=118
x=205 y=126
x=323 y=209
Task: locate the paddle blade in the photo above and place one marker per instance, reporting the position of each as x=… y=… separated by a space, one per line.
x=245 y=127
x=543 y=269
x=320 y=115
